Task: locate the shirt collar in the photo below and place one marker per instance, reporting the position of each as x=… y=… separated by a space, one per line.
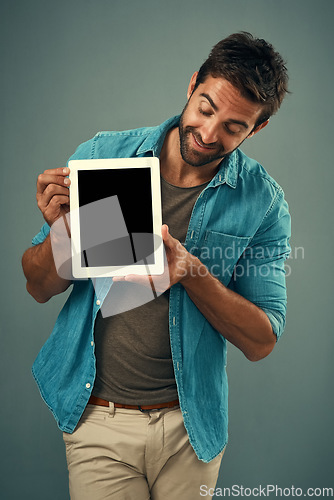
x=228 y=171
x=155 y=139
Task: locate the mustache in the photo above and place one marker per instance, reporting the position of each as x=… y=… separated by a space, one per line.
x=193 y=131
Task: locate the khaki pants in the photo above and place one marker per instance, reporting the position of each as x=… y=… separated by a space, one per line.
x=124 y=454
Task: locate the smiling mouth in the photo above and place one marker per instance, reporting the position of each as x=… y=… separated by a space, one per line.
x=201 y=146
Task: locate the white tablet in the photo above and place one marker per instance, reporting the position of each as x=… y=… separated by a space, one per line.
x=115 y=214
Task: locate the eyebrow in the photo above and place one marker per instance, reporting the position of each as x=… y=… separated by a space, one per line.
x=231 y=120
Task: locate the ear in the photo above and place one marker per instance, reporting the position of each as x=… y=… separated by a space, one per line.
x=192 y=84
x=257 y=129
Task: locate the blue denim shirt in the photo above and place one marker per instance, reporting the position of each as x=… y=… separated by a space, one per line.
x=239 y=228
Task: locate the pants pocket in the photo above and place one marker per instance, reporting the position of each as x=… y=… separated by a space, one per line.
x=69 y=443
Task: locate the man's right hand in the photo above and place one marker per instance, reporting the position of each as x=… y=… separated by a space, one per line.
x=52 y=194
x=47 y=266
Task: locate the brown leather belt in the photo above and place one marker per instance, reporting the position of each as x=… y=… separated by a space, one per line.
x=94 y=400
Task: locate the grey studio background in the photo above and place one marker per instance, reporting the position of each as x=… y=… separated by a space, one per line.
x=70 y=69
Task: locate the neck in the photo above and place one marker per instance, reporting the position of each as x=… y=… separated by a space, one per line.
x=175 y=170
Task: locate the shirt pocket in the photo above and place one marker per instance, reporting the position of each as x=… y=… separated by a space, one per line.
x=220 y=252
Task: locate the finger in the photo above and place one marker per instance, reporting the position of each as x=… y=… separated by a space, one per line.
x=53 y=176
x=135 y=278
x=57 y=171
x=51 y=190
x=168 y=239
x=54 y=209
x=164 y=231
x=58 y=200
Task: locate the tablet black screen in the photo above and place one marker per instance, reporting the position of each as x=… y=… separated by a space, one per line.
x=132 y=187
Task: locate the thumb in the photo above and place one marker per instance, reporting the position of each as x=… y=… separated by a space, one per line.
x=166 y=237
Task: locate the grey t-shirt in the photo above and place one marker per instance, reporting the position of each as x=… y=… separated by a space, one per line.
x=133 y=354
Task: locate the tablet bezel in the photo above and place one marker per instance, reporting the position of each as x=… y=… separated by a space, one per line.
x=78 y=270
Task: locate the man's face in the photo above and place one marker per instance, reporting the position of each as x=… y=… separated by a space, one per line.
x=215 y=121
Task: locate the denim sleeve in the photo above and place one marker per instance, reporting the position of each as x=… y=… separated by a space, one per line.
x=260 y=275
x=40 y=237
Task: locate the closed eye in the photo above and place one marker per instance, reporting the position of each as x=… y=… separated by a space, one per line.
x=205 y=113
x=231 y=131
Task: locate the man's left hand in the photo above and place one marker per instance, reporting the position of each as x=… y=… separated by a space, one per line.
x=178 y=267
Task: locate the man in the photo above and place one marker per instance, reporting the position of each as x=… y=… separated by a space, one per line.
x=142 y=396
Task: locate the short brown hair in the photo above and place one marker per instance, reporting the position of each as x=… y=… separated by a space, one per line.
x=253 y=67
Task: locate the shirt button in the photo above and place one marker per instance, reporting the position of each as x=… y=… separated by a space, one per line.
x=88 y=385
x=98 y=302
x=92 y=343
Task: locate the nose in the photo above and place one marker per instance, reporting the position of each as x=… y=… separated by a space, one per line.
x=208 y=133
